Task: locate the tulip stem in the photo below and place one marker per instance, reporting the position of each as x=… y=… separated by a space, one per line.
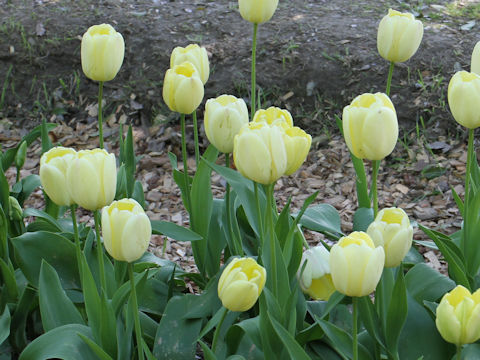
x=375 y=166
x=195 y=137
x=254 y=84
x=269 y=222
x=138 y=328
x=355 y=327
x=459 y=352
x=389 y=78
x=185 y=165
x=101 y=267
x=466 y=202
x=78 y=248
x=100 y=115
x=260 y=220
x=217 y=330
x=237 y=246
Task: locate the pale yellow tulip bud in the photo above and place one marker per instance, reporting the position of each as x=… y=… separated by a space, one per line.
x=259 y=152
x=102 y=52
x=370 y=126
x=464 y=98
x=475 y=67
x=392 y=230
x=126 y=230
x=297 y=145
x=399 y=36
x=274 y=116
x=315 y=279
x=356 y=264
x=241 y=283
x=257 y=11
x=53 y=174
x=223 y=119
x=182 y=88
x=458 y=316
x=92 y=178
x=196 y=55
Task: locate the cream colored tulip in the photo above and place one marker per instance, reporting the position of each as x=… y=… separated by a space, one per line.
x=475 y=65
x=224 y=117
x=314 y=277
x=196 y=55
x=464 y=98
x=370 y=126
x=297 y=145
x=241 y=283
x=392 y=230
x=274 y=116
x=102 y=52
x=399 y=36
x=183 y=88
x=126 y=230
x=259 y=152
x=257 y=11
x=458 y=316
x=92 y=178
x=356 y=264
x=53 y=174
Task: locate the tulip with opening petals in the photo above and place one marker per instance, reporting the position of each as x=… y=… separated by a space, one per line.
x=196 y=55
x=257 y=11
x=464 y=98
x=314 y=277
x=241 y=283
x=102 y=52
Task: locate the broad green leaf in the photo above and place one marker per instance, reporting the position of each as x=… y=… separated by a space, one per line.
x=458 y=201
x=18 y=336
x=4 y=325
x=3 y=234
x=293 y=348
x=175 y=338
x=26 y=187
x=174 y=231
x=361 y=182
x=101 y=354
x=4 y=193
x=311 y=333
x=56 y=308
x=471 y=351
x=248 y=345
x=218 y=231
x=62 y=342
x=121 y=189
x=323 y=308
x=138 y=193
x=10 y=290
x=44 y=216
x=471 y=229
x=207 y=352
x=370 y=319
x=58 y=251
x=413 y=257
x=323 y=218
x=424 y=283
x=362 y=218
x=320 y=351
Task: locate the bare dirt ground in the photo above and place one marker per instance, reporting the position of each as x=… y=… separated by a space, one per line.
x=312 y=58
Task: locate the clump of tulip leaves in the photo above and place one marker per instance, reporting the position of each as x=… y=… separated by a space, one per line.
x=53 y=303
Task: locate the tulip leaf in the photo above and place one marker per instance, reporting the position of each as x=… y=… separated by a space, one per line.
x=3 y=234
x=323 y=308
x=55 y=249
x=471 y=229
x=362 y=218
x=293 y=347
x=99 y=352
x=4 y=193
x=25 y=187
x=56 y=308
x=311 y=333
x=129 y=154
x=207 y=352
x=174 y=231
x=424 y=283
x=370 y=319
x=44 y=216
x=413 y=257
x=138 y=193
x=323 y=218
x=361 y=182
x=218 y=231
x=249 y=345
x=175 y=338
x=4 y=325
x=10 y=290
x=458 y=200
x=62 y=342
x=121 y=189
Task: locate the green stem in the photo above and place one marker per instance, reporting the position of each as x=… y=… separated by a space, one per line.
x=237 y=250
x=254 y=84
x=100 y=115
x=217 y=330
x=17 y=177
x=354 y=329
x=375 y=166
x=470 y=155
x=78 y=249
x=195 y=137
x=271 y=232
x=138 y=329
x=389 y=78
x=259 y=212
x=101 y=267
x=185 y=165
x=459 y=352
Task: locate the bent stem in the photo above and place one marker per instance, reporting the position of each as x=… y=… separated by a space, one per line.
x=195 y=138
x=185 y=165
x=254 y=85
x=101 y=267
x=100 y=116
x=271 y=232
x=138 y=328
x=354 y=329
x=217 y=330
x=389 y=78
x=375 y=166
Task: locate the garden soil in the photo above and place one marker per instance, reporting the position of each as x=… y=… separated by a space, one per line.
x=313 y=58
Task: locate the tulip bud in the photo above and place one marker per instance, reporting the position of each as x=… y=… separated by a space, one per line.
x=458 y=316
x=126 y=230
x=196 y=55
x=399 y=36
x=21 y=155
x=223 y=119
x=102 y=52
x=182 y=88
x=53 y=174
x=16 y=212
x=297 y=146
x=259 y=152
x=274 y=116
x=392 y=230
x=257 y=11
x=315 y=278
x=241 y=283
x=356 y=264
x=475 y=67
x=92 y=179
x=370 y=126
x=464 y=98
